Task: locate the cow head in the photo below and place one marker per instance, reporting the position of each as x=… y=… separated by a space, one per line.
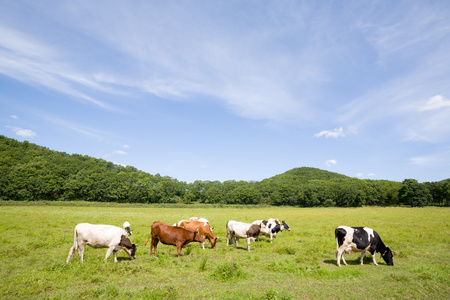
x=388 y=257
x=198 y=237
x=286 y=227
x=128 y=246
x=213 y=242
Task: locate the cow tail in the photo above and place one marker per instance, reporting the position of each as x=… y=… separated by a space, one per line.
x=148 y=239
x=75 y=242
x=337 y=241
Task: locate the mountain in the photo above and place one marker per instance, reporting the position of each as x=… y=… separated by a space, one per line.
x=305 y=174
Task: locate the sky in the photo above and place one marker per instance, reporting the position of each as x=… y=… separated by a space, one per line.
x=232 y=90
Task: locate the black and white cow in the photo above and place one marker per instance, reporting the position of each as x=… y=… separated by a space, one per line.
x=360 y=239
x=272 y=227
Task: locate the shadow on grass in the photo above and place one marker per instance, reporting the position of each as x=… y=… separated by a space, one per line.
x=353 y=262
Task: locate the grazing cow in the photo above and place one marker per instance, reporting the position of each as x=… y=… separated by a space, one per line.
x=360 y=239
x=272 y=227
x=201 y=220
x=170 y=235
x=101 y=236
x=238 y=230
x=127 y=228
x=202 y=228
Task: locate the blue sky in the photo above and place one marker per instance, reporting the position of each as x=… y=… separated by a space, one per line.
x=232 y=90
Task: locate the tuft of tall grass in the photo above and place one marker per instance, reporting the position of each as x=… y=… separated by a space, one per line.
x=202 y=265
x=229 y=271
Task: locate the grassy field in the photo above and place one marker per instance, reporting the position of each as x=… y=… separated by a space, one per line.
x=299 y=264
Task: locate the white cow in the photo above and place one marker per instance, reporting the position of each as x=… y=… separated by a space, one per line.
x=101 y=236
x=127 y=228
x=238 y=230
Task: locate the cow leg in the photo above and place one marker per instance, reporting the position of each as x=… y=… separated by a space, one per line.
x=81 y=251
x=234 y=241
x=108 y=252
x=271 y=237
x=248 y=244
x=154 y=243
x=361 y=262
x=340 y=254
x=115 y=255
x=179 y=249
x=373 y=258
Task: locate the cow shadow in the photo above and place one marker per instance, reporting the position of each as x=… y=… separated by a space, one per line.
x=352 y=261
x=123 y=258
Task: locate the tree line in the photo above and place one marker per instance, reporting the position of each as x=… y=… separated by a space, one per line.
x=32 y=172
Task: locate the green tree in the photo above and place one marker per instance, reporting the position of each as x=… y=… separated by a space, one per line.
x=413 y=193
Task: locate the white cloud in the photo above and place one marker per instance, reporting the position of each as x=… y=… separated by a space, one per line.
x=126 y=146
x=435 y=102
x=120 y=152
x=330 y=162
x=335 y=133
x=14 y=117
x=425 y=160
x=361 y=175
x=25 y=133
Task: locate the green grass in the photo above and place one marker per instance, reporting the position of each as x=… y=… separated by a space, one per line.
x=36 y=239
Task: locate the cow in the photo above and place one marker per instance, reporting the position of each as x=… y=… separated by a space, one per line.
x=272 y=227
x=238 y=230
x=101 y=236
x=202 y=228
x=360 y=239
x=127 y=228
x=170 y=235
x=177 y=224
x=201 y=220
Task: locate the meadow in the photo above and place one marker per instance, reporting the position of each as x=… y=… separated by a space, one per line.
x=299 y=264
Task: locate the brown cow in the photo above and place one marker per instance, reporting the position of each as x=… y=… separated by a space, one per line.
x=202 y=228
x=170 y=235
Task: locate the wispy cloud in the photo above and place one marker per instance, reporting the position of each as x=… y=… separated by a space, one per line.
x=330 y=162
x=362 y=175
x=14 y=117
x=120 y=152
x=432 y=160
x=25 y=133
x=24 y=58
x=87 y=131
x=335 y=133
x=435 y=102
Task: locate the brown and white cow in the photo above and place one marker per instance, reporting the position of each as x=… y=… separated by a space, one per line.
x=101 y=236
x=170 y=235
x=238 y=230
x=202 y=228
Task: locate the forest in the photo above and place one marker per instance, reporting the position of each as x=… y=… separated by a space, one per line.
x=29 y=172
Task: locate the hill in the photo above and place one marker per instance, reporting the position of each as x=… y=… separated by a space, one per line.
x=32 y=172
x=305 y=174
